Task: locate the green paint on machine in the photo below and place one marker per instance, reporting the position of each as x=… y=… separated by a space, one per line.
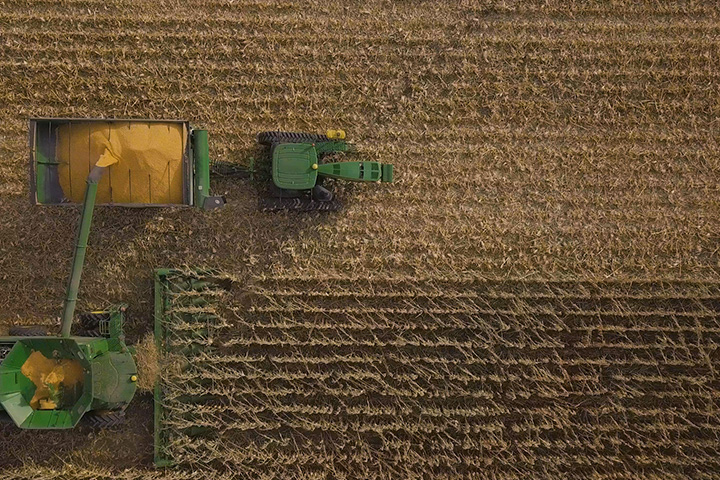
x=292 y=166
x=300 y=162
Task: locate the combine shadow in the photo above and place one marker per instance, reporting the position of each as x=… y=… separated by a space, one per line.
x=127 y=244
x=129 y=444
x=37 y=249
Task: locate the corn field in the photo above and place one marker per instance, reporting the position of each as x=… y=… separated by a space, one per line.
x=345 y=378
x=535 y=296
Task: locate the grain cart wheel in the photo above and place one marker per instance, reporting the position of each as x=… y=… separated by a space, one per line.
x=27 y=331
x=105 y=418
x=268 y=138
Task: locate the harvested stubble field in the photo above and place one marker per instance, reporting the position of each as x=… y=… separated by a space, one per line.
x=537 y=295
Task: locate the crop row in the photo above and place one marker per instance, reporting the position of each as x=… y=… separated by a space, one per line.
x=458 y=384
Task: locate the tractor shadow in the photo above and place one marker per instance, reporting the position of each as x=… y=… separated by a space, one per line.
x=247 y=239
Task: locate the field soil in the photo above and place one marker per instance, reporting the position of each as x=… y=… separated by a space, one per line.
x=537 y=295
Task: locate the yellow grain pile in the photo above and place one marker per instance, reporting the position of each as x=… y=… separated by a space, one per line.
x=148 y=161
x=52 y=378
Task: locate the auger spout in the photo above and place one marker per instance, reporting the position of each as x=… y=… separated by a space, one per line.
x=81 y=241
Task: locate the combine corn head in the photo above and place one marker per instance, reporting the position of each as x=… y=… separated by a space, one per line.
x=186 y=329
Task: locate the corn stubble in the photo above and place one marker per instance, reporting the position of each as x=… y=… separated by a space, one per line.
x=535 y=297
x=345 y=378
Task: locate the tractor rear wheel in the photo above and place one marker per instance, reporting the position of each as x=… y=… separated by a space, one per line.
x=27 y=331
x=268 y=138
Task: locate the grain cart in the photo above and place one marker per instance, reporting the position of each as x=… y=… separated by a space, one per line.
x=51 y=382
x=159 y=162
x=299 y=164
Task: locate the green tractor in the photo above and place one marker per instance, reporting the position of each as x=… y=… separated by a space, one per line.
x=300 y=163
x=51 y=382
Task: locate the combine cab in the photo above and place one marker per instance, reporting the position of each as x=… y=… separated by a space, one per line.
x=300 y=163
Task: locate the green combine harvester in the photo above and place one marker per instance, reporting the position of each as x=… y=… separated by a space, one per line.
x=51 y=382
x=300 y=163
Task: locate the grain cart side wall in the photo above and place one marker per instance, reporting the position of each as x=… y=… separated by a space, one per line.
x=201 y=157
x=157 y=162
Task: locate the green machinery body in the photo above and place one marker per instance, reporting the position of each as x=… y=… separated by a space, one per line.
x=108 y=367
x=299 y=164
x=186 y=298
x=295 y=166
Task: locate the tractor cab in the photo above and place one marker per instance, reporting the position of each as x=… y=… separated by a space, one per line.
x=294 y=166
